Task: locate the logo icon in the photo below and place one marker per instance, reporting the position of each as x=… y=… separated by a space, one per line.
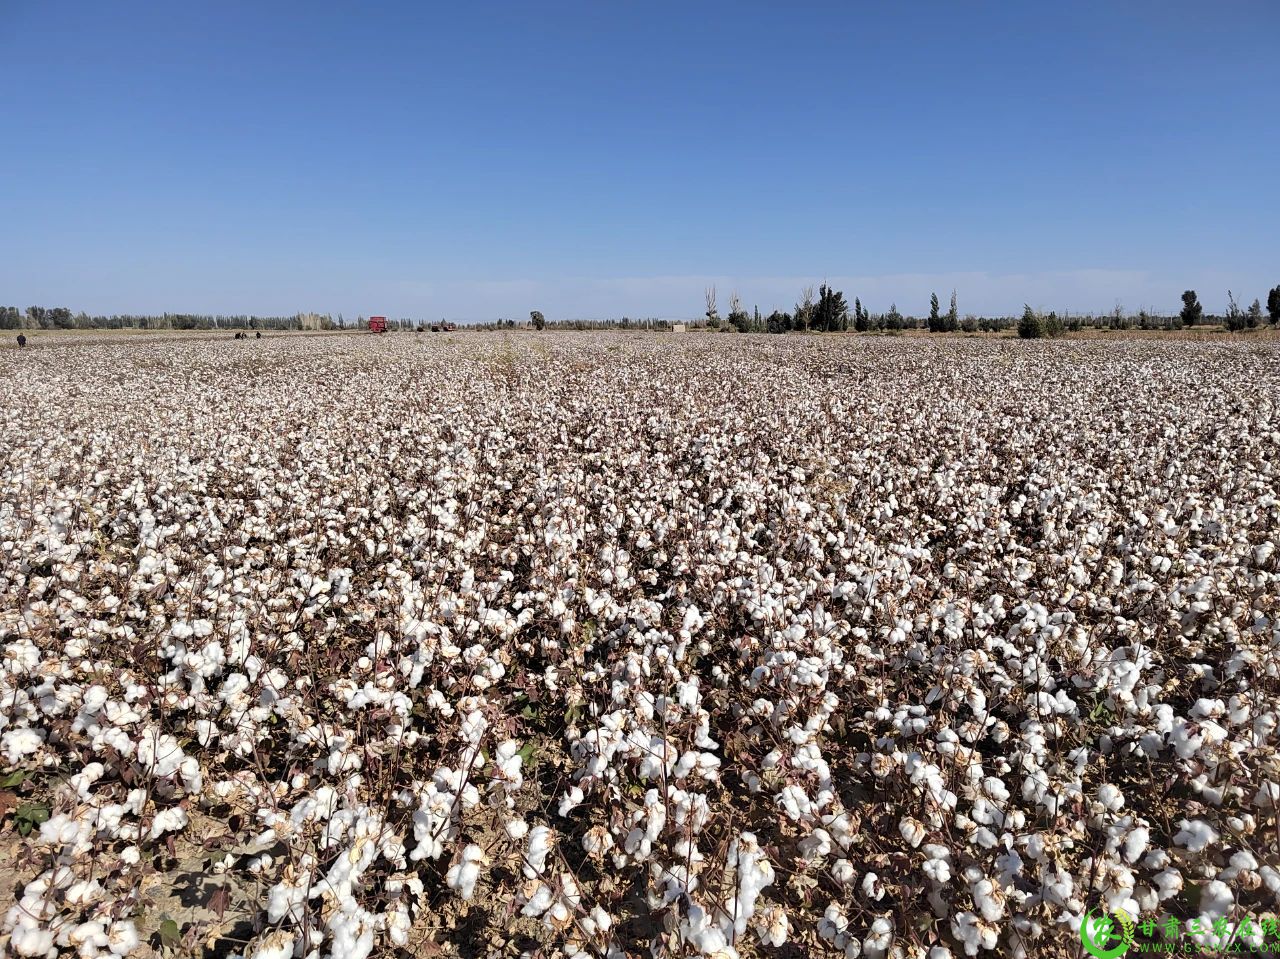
x=1101 y=938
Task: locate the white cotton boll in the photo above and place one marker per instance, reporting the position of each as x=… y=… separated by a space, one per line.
x=596 y=841
x=1268 y=795
x=570 y=801
x=286 y=899
x=32 y=940
x=754 y=872
x=833 y=923
x=771 y=922
x=84 y=892
x=539 y=902
x=795 y=802
x=83 y=781
x=877 y=942
x=985 y=838
x=462 y=876
x=1242 y=861
x=1168 y=883
x=536 y=852
x=685 y=765
x=1136 y=842
x=1110 y=797
x=509 y=762
x=173 y=819
x=517 y=829
x=940 y=952
x=842 y=871
x=816 y=846
x=1195 y=835
x=938 y=870
x=17 y=744
x=912 y=831
x=872 y=887
x=88 y=938
x=701 y=932
x=601 y=919
x=974 y=933
x=277 y=944
x=352 y=931
x=989 y=899
x=122 y=937
x=1216 y=899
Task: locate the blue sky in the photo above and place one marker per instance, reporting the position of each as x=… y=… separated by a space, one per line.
x=609 y=158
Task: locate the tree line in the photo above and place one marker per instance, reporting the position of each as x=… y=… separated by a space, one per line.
x=829 y=312
x=825 y=311
x=61 y=318
x=539 y=322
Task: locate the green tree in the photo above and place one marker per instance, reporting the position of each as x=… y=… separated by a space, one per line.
x=893 y=319
x=1253 y=317
x=539 y=321
x=953 y=315
x=1030 y=327
x=831 y=312
x=1192 y=312
x=935 y=322
x=1273 y=305
x=861 y=321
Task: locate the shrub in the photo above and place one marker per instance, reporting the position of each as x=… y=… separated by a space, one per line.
x=1030 y=327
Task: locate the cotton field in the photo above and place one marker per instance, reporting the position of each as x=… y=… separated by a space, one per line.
x=623 y=645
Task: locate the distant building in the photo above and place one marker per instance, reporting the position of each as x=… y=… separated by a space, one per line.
x=679 y=328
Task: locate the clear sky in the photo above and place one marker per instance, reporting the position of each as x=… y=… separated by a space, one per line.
x=607 y=158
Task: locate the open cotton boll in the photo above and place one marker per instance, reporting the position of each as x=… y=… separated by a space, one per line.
x=17 y=744
x=974 y=933
x=1110 y=797
x=462 y=876
x=754 y=873
x=277 y=944
x=1216 y=899
x=352 y=930
x=842 y=871
x=122 y=937
x=772 y=925
x=872 y=887
x=539 y=846
x=912 y=830
x=173 y=819
x=570 y=800
x=1195 y=835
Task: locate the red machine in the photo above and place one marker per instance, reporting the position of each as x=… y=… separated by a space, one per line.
x=377 y=324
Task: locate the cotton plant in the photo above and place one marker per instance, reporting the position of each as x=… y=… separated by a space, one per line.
x=857 y=647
